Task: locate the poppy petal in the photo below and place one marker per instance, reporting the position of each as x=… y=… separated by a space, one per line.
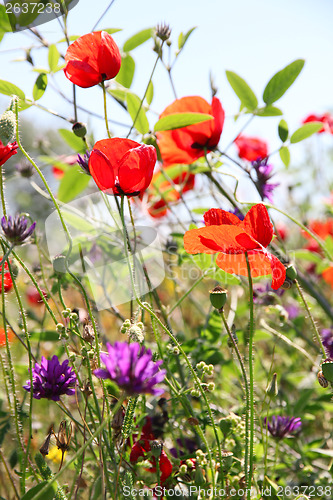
x=261 y=264
x=136 y=169
x=217 y=217
x=214 y=239
x=101 y=170
x=109 y=58
x=258 y=224
x=82 y=74
x=219 y=115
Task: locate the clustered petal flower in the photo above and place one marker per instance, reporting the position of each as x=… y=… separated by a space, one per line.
x=281 y=427
x=92 y=59
x=132 y=368
x=16 y=228
x=231 y=238
x=52 y=379
x=187 y=144
x=122 y=166
x=327 y=339
x=7 y=151
x=264 y=174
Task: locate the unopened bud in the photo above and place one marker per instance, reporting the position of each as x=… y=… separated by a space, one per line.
x=291 y=272
x=272 y=390
x=7 y=127
x=79 y=129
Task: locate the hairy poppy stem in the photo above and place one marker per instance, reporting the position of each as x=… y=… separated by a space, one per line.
x=314 y=327
x=250 y=410
x=105 y=111
x=246 y=386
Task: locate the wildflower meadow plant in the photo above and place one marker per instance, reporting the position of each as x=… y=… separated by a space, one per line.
x=166 y=289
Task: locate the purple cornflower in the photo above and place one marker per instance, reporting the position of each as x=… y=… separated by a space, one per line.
x=83 y=161
x=283 y=426
x=263 y=171
x=265 y=295
x=52 y=379
x=327 y=339
x=16 y=229
x=132 y=368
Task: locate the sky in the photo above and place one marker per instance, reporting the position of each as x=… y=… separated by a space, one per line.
x=253 y=38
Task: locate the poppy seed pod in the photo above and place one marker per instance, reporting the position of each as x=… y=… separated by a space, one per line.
x=79 y=129
x=7 y=127
x=291 y=272
x=218 y=297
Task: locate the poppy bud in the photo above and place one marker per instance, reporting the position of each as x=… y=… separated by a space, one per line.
x=7 y=127
x=322 y=380
x=218 y=297
x=156 y=448
x=79 y=129
x=272 y=390
x=291 y=272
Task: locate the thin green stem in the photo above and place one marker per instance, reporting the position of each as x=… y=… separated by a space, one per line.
x=314 y=326
x=247 y=391
x=2 y=193
x=144 y=95
x=105 y=110
x=251 y=413
x=196 y=283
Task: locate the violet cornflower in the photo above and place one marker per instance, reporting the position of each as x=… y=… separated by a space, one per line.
x=16 y=229
x=281 y=427
x=327 y=339
x=264 y=174
x=132 y=368
x=51 y=379
x=83 y=161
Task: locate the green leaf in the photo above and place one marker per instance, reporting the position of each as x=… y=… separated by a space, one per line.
x=40 y=86
x=283 y=130
x=74 y=142
x=5 y=25
x=242 y=90
x=182 y=39
x=150 y=93
x=281 y=81
x=305 y=131
x=268 y=111
x=285 y=155
x=112 y=30
x=133 y=105
x=118 y=94
x=180 y=120
x=307 y=255
x=72 y=184
x=53 y=57
x=137 y=39
x=47 y=495
x=126 y=73
x=10 y=89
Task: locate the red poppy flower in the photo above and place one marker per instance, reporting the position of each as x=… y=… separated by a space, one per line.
x=323 y=229
x=91 y=59
x=327 y=274
x=326 y=119
x=166 y=192
x=33 y=296
x=122 y=166
x=7 y=279
x=185 y=145
x=7 y=151
x=227 y=234
x=142 y=447
x=10 y=334
x=251 y=148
